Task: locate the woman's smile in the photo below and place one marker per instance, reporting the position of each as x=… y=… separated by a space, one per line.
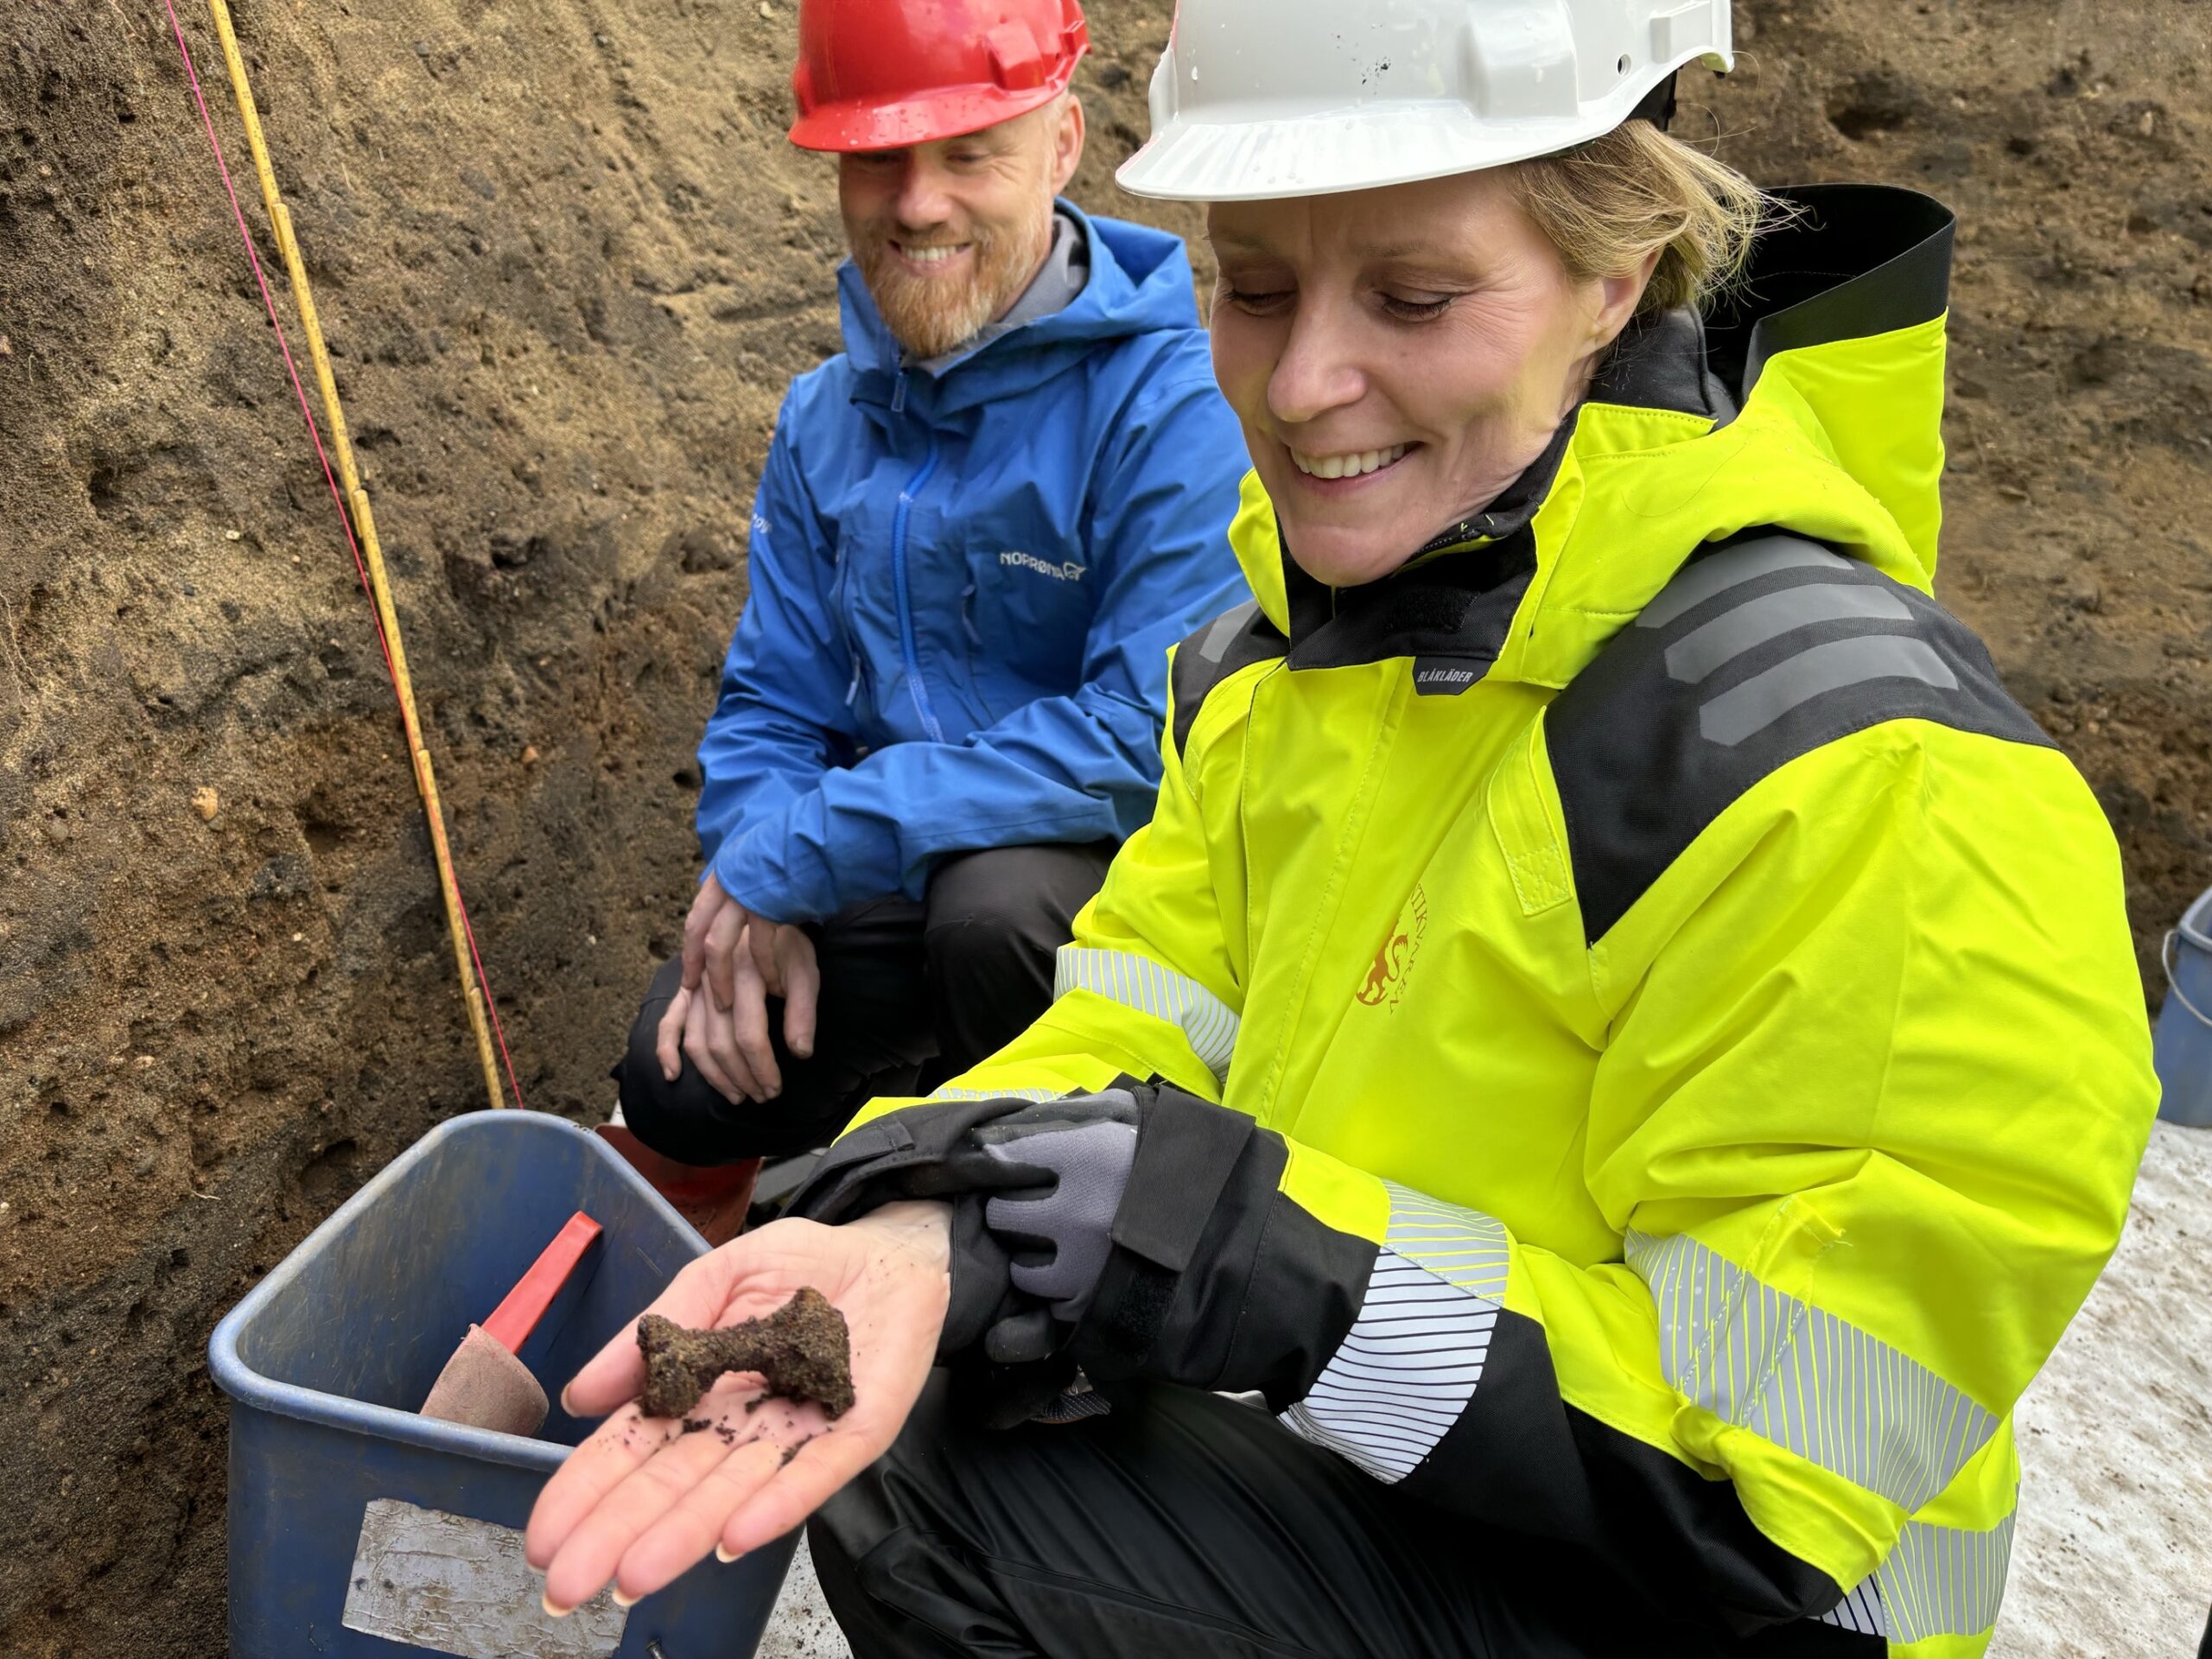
x=1341 y=471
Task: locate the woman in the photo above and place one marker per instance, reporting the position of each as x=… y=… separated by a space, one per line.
x=1619 y=1030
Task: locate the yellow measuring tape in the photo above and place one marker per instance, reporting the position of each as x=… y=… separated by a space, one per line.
x=364 y=528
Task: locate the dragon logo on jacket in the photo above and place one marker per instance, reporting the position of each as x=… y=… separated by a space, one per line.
x=1385 y=986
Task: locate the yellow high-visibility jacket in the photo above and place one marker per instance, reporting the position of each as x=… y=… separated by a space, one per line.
x=1672 y=969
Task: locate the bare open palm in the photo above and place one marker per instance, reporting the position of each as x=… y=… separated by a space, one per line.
x=646 y=1498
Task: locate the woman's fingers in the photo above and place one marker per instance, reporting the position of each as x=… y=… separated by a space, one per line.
x=668 y=1045
x=802 y=989
x=636 y=1474
x=698 y=1043
x=795 y=1491
x=616 y=1373
x=685 y=1536
x=749 y=1020
x=613 y=1451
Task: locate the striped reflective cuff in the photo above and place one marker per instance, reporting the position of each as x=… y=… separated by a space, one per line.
x=1414 y=1355
x=1860 y=1610
x=1938 y=1582
x=949 y=1093
x=1813 y=1384
x=1208 y=1024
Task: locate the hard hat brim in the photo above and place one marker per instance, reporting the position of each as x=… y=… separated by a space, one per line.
x=945 y=113
x=1306 y=149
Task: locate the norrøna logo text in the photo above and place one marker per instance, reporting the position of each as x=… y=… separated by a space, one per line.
x=1070 y=571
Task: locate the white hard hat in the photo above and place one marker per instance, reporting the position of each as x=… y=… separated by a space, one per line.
x=1259 y=98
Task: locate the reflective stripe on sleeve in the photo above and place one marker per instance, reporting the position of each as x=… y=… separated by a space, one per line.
x=1414 y=1355
x=1207 y=1023
x=1804 y=1379
x=1938 y=1582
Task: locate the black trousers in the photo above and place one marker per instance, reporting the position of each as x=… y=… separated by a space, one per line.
x=1185 y=1525
x=907 y=990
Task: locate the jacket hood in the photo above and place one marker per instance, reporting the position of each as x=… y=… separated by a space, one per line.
x=1810 y=400
x=1141 y=281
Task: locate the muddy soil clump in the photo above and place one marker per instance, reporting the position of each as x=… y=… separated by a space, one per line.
x=569 y=266
x=801 y=1352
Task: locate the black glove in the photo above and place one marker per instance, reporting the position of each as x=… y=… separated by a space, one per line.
x=1054 y=1201
x=1034 y=1187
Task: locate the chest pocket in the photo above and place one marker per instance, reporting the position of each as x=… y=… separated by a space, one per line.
x=860 y=695
x=864 y=605
x=1026 y=609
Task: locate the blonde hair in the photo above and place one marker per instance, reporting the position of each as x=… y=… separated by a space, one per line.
x=1606 y=204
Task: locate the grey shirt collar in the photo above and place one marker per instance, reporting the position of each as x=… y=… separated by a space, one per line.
x=1054 y=288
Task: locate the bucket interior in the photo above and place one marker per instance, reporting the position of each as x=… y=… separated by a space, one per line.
x=370 y=1308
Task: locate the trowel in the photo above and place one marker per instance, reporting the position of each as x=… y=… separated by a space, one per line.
x=484 y=1385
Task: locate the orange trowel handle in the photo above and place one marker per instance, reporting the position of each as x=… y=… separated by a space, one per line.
x=513 y=1320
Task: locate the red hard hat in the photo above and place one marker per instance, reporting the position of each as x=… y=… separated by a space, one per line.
x=882 y=74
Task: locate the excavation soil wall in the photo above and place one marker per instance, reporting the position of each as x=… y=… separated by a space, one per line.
x=568 y=264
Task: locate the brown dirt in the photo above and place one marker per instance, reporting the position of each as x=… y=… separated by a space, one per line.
x=801 y=1352
x=568 y=266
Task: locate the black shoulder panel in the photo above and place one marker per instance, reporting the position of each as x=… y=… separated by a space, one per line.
x=1232 y=640
x=1759 y=651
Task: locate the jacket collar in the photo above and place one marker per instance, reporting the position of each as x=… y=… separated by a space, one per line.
x=1455 y=599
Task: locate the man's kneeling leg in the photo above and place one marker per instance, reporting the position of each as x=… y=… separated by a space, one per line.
x=996 y=921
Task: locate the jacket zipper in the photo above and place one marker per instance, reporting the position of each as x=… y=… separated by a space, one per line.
x=914 y=686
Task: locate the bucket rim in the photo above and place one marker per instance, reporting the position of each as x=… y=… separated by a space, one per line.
x=248 y=1386
x=2195 y=924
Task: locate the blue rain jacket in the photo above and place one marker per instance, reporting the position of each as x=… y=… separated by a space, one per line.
x=964 y=589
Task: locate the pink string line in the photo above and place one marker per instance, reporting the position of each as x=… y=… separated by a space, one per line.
x=344 y=518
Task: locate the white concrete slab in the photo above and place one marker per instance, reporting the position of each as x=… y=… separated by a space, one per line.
x=2113 y=1555
x=801 y=1627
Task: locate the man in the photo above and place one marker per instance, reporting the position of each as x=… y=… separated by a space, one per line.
x=978 y=532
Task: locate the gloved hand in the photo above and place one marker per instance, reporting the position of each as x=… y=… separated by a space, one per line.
x=1034 y=1187
x=1075 y=1219
x=1076 y=1154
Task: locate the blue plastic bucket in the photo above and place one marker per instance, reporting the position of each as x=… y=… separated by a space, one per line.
x=2181 y=1046
x=358 y=1528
